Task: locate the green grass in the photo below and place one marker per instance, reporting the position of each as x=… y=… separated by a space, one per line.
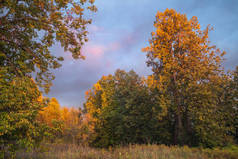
x=61 y=151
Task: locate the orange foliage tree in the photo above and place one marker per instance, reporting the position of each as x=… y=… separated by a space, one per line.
x=65 y=122
x=187 y=73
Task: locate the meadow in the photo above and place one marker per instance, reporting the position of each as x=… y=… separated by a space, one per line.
x=67 y=151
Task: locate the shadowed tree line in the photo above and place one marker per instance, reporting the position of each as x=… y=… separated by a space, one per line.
x=125 y=109
x=188 y=100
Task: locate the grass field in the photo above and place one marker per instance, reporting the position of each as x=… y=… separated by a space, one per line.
x=61 y=151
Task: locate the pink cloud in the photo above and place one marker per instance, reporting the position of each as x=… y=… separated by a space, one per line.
x=95 y=50
x=99 y=50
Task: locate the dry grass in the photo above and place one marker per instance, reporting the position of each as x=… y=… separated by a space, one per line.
x=129 y=152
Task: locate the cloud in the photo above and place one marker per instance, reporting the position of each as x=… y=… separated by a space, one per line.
x=94 y=50
x=121 y=29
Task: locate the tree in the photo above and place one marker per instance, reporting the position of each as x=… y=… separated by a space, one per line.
x=20 y=101
x=235 y=103
x=72 y=121
x=50 y=118
x=50 y=113
x=122 y=111
x=60 y=123
x=187 y=73
x=28 y=28
x=229 y=100
x=86 y=129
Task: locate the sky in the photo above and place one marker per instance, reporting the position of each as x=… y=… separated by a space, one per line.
x=121 y=28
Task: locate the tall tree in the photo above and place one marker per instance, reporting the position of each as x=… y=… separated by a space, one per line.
x=28 y=28
x=187 y=72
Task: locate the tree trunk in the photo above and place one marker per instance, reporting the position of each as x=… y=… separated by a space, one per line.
x=188 y=127
x=178 y=127
x=178 y=130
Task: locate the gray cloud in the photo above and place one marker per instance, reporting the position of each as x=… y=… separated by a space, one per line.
x=119 y=31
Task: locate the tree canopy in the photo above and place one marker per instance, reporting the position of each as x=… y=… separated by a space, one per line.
x=122 y=110
x=188 y=74
x=30 y=27
x=20 y=102
x=187 y=100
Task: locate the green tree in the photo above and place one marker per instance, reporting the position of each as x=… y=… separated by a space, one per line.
x=187 y=73
x=229 y=101
x=19 y=105
x=235 y=105
x=122 y=111
x=28 y=28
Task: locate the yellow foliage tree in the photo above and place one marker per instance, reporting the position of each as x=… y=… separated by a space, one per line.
x=50 y=113
x=187 y=73
x=64 y=121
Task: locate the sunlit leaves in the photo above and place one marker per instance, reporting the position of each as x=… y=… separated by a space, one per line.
x=187 y=73
x=62 y=122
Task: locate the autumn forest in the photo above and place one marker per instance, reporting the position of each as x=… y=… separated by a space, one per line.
x=186 y=108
